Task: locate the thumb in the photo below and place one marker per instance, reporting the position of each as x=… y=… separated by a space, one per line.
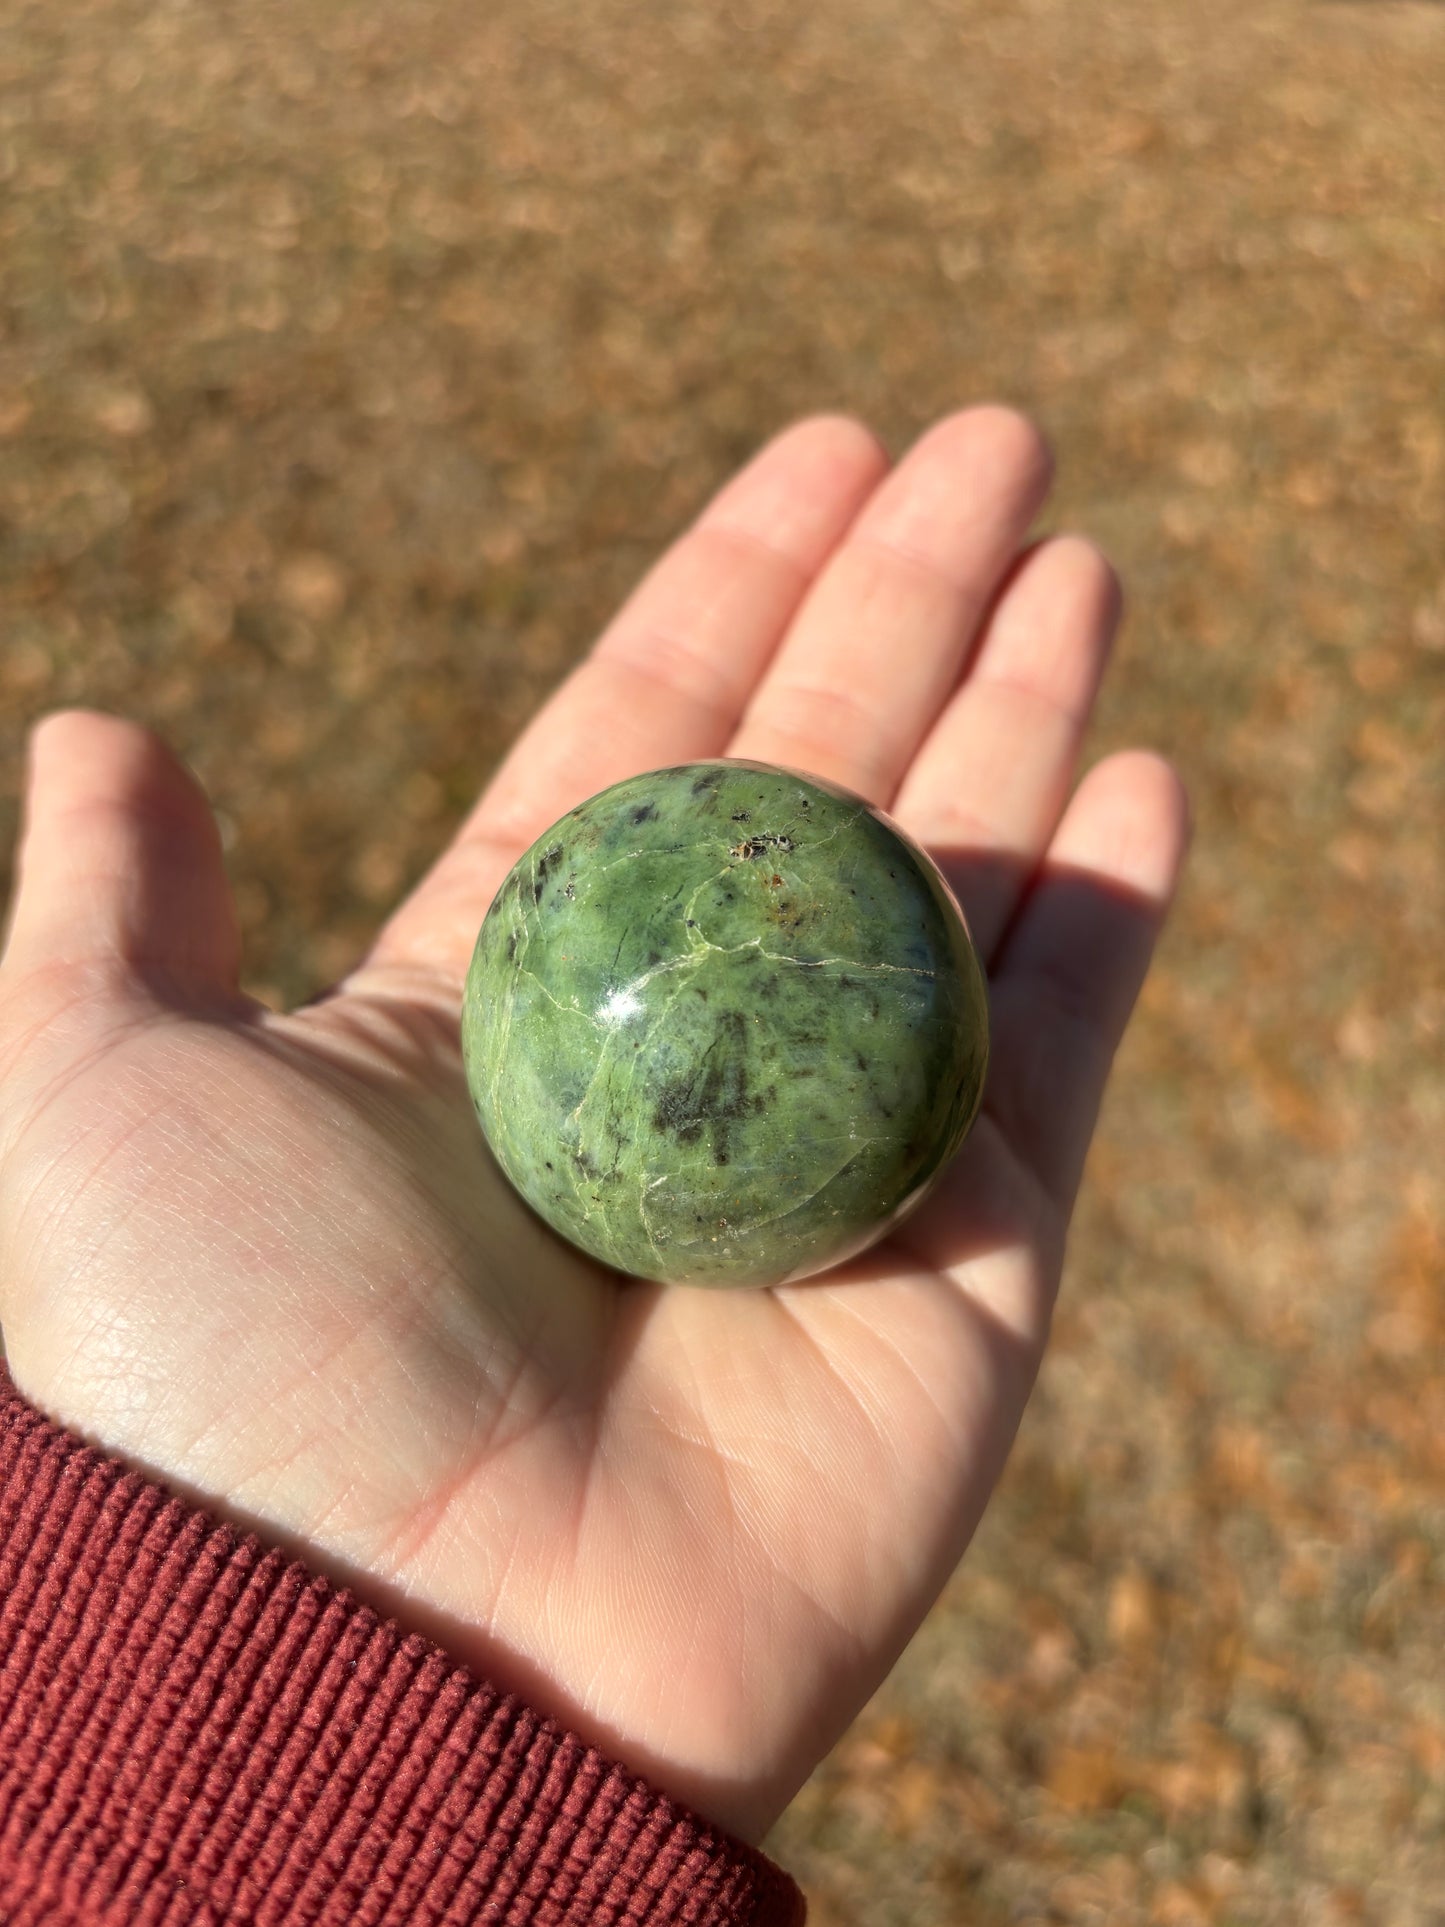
x=120 y=860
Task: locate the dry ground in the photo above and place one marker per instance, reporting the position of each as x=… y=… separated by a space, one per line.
x=354 y=359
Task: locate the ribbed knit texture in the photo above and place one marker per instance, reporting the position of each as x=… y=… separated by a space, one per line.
x=196 y=1729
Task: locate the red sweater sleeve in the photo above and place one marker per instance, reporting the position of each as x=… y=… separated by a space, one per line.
x=199 y=1731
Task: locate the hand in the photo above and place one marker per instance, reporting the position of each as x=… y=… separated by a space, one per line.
x=266 y=1257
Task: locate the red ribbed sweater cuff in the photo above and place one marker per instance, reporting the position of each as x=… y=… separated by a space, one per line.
x=196 y=1729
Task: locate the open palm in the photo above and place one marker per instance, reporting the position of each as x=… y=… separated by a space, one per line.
x=268 y=1258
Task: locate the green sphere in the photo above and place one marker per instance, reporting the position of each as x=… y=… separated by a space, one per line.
x=724 y=1025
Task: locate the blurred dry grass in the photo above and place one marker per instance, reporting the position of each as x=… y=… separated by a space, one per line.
x=353 y=362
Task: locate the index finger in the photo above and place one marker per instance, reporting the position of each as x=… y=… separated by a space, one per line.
x=667 y=681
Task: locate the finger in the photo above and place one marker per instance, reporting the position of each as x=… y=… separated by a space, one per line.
x=986 y=790
x=1074 y=961
x=884 y=633
x=120 y=860
x=667 y=681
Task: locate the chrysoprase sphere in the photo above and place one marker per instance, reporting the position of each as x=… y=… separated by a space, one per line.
x=723 y=1025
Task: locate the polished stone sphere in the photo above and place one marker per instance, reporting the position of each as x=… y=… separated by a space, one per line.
x=723 y=1025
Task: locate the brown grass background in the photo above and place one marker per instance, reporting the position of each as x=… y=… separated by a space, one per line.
x=354 y=361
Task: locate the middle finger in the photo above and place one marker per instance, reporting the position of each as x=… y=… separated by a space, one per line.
x=885 y=630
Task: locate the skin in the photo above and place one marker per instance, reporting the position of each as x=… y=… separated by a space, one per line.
x=261 y=1256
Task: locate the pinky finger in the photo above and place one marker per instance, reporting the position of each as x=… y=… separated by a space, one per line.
x=1075 y=960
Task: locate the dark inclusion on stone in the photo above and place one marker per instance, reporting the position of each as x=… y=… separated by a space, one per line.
x=723 y=1025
